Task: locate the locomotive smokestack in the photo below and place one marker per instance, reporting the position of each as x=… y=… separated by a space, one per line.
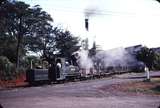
x=89 y=12
x=86 y=24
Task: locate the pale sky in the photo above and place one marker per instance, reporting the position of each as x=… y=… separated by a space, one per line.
x=117 y=23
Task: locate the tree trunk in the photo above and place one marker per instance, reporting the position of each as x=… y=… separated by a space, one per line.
x=19 y=38
x=17 y=51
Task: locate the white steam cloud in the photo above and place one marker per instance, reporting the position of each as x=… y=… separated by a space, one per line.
x=116 y=57
x=119 y=57
x=84 y=61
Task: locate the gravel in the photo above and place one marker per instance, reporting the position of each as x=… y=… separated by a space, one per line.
x=84 y=94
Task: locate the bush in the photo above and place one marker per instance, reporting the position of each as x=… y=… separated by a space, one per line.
x=7 y=69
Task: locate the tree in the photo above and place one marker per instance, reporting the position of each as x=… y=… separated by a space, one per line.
x=8 y=48
x=66 y=43
x=28 y=28
x=23 y=23
x=148 y=56
x=44 y=43
x=12 y=16
x=53 y=42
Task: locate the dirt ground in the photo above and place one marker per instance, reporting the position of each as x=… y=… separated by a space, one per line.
x=135 y=88
x=86 y=94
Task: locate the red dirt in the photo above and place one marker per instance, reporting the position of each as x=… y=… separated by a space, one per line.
x=133 y=88
x=19 y=81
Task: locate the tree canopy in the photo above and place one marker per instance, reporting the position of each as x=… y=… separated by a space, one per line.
x=149 y=57
x=23 y=23
x=24 y=28
x=66 y=44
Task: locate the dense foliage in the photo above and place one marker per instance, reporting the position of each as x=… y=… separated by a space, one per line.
x=150 y=57
x=26 y=29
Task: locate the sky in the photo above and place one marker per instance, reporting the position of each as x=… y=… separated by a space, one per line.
x=114 y=23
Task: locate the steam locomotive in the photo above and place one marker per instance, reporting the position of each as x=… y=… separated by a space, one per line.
x=71 y=72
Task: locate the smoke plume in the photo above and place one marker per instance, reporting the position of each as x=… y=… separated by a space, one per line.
x=116 y=57
x=91 y=11
x=119 y=57
x=84 y=61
